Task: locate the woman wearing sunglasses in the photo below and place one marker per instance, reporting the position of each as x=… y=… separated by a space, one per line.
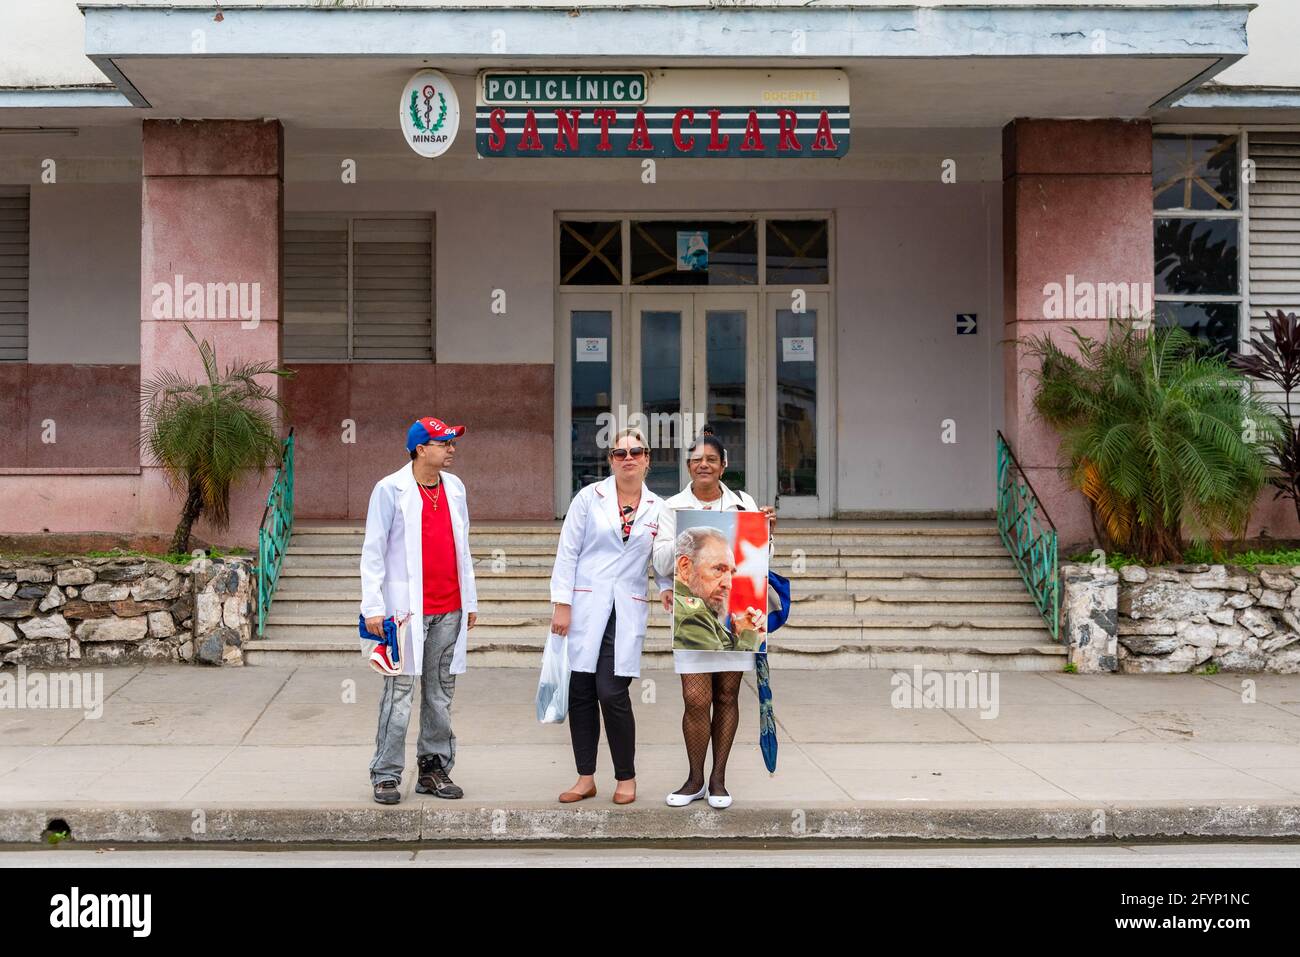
x=599 y=592
x=710 y=679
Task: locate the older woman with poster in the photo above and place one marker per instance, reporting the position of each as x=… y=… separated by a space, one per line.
x=710 y=678
x=598 y=588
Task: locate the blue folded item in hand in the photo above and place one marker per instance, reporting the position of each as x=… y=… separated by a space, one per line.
x=389 y=639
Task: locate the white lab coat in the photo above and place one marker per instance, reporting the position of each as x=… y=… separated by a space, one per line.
x=392 y=562
x=595 y=571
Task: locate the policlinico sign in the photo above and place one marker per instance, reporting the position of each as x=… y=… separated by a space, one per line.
x=696 y=113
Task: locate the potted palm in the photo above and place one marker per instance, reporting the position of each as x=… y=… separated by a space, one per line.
x=1157 y=434
x=209 y=434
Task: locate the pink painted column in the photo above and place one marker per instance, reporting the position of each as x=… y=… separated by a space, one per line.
x=212 y=212
x=1076 y=209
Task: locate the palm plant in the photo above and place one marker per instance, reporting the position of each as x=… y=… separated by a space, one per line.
x=1157 y=434
x=207 y=435
x=1276 y=359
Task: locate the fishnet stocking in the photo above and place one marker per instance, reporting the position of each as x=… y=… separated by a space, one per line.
x=726 y=716
x=700 y=692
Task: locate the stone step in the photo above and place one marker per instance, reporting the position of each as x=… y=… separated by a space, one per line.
x=343 y=603
x=918 y=578
x=949 y=652
x=787 y=526
x=484 y=542
x=905 y=547
x=542 y=564
x=284 y=625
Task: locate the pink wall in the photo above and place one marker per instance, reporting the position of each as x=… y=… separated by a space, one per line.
x=94 y=410
x=1076 y=201
x=505 y=457
x=212 y=212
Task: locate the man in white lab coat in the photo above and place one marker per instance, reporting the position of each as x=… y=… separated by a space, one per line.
x=416 y=568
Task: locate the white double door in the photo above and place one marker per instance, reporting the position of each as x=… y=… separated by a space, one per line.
x=750 y=365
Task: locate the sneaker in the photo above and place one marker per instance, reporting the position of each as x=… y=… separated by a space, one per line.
x=434 y=779
x=386 y=792
x=382 y=662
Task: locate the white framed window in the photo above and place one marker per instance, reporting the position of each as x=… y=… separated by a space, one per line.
x=358 y=288
x=15 y=225
x=1199 y=215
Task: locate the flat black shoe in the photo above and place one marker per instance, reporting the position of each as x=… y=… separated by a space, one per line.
x=435 y=780
x=386 y=792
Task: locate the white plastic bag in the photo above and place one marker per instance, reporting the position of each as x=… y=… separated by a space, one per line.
x=553 y=685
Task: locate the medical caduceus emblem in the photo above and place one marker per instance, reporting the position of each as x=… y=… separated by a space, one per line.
x=421 y=109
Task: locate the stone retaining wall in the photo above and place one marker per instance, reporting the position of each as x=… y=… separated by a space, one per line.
x=1184 y=618
x=60 y=611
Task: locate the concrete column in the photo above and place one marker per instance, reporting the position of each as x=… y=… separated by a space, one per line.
x=212 y=213
x=1076 y=203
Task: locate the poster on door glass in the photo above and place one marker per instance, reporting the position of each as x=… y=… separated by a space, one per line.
x=720 y=581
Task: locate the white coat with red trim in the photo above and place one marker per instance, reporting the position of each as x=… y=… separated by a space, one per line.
x=392 y=562
x=595 y=571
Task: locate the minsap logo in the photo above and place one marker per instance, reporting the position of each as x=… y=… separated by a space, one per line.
x=76 y=910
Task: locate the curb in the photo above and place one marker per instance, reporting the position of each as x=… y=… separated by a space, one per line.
x=140 y=824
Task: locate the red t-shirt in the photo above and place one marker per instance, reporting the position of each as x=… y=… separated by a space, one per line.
x=441 y=578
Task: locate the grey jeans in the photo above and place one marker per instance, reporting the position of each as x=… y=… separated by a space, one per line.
x=437 y=685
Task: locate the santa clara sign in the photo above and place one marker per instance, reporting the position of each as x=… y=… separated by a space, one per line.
x=665 y=113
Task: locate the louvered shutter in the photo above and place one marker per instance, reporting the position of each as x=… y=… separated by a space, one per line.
x=14 y=221
x=1274 y=233
x=369 y=279
x=392 y=289
x=315 y=288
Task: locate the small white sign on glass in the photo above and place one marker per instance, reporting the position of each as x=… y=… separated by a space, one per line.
x=592 y=350
x=797 y=349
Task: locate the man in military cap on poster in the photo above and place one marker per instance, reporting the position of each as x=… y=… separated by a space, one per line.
x=701 y=587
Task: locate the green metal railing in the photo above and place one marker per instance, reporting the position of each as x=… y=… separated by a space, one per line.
x=273 y=534
x=1029 y=535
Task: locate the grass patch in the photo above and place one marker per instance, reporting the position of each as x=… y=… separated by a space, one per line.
x=1201 y=553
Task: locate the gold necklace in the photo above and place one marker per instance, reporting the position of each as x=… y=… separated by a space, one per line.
x=432 y=499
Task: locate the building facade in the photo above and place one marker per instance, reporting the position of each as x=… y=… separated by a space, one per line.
x=825 y=230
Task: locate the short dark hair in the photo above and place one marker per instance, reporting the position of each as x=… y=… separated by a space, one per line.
x=706 y=437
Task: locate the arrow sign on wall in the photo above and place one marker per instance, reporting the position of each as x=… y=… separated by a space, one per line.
x=967 y=322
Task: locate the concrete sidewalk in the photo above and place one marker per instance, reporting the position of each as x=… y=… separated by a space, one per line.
x=183 y=753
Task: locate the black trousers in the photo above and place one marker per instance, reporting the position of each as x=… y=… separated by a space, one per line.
x=591 y=695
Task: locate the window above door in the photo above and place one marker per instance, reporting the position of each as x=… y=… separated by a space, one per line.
x=721 y=251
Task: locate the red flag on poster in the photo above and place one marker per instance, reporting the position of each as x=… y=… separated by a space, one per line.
x=749 y=584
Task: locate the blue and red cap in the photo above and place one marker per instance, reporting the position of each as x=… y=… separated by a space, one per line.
x=429 y=429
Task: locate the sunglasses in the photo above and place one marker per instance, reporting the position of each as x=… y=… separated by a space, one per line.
x=635 y=452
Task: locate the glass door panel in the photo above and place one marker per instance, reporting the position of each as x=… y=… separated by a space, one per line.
x=590 y=338
x=660 y=372
x=796 y=405
x=725 y=406
x=796 y=402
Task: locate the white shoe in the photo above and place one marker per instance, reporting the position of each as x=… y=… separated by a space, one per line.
x=720 y=801
x=681 y=800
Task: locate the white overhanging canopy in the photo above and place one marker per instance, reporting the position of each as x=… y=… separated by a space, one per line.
x=967 y=66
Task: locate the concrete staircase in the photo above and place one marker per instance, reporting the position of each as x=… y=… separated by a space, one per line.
x=877 y=594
